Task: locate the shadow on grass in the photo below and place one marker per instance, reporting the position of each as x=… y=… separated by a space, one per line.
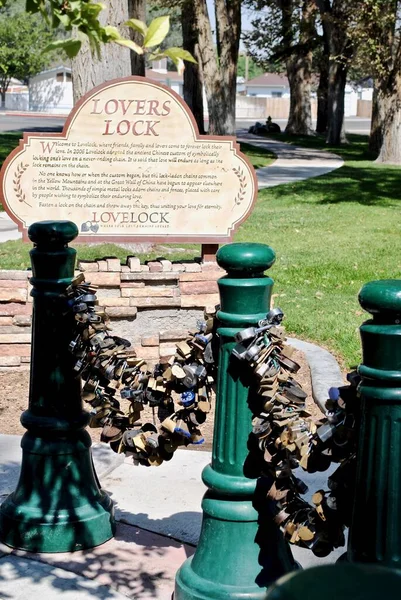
x=355 y=150
x=367 y=185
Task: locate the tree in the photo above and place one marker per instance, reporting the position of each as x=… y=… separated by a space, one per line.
x=338 y=18
x=379 y=33
x=193 y=83
x=219 y=64
x=89 y=70
x=299 y=66
x=284 y=35
x=22 y=41
x=137 y=10
x=322 y=63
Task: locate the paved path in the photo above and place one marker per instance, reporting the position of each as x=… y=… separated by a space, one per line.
x=293 y=164
x=159 y=519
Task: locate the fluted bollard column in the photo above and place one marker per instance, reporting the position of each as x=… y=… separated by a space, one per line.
x=227 y=562
x=375 y=531
x=58 y=505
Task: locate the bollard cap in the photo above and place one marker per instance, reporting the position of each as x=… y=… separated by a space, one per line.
x=247 y=260
x=340 y=581
x=47 y=233
x=381 y=297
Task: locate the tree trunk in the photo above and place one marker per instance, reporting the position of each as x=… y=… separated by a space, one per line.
x=300 y=116
x=299 y=73
x=322 y=91
x=322 y=102
x=376 y=137
x=193 y=86
x=137 y=10
x=388 y=121
x=337 y=82
x=3 y=98
x=220 y=72
x=87 y=70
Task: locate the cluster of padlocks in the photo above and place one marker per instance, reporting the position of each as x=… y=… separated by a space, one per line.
x=286 y=437
x=179 y=387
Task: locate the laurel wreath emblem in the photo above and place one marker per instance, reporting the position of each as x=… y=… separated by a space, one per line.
x=21 y=168
x=242 y=190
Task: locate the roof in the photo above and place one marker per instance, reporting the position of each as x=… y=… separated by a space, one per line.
x=55 y=70
x=269 y=80
x=163 y=77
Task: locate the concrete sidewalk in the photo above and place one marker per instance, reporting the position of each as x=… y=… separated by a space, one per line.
x=294 y=163
x=159 y=519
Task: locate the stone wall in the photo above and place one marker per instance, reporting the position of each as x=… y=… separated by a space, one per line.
x=152 y=305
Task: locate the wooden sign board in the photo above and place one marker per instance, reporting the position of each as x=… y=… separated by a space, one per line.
x=130 y=165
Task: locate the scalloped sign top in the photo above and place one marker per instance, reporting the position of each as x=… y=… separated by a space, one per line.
x=130 y=165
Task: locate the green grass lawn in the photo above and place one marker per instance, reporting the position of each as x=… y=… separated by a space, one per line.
x=331 y=234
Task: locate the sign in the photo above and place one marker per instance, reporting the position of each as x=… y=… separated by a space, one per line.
x=130 y=165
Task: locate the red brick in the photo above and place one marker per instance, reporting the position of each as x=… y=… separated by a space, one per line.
x=113 y=264
x=105 y=279
x=13 y=283
x=10 y=361
x=121 y=311
x=198 y=287
x=208 y=276
x=150 y=291
x=12 y=308
x=6 y=321
x=21 y=275
x=11 y=349
x=134 y=263
x=88 y=267
x=199 y=300
x=155 y=302
x=155 y=267
x=113 y=301
x=15 y=338
x=13 y=295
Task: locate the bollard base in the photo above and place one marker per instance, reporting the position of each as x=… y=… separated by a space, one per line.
x=189 y=586
x=236 y=557
x=58 y=505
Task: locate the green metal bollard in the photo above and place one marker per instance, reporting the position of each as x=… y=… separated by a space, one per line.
x=228 y=562
x=375 y=531
x=338 y=582
x=58 y=505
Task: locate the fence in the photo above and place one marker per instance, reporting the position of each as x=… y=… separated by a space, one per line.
x=364 y=109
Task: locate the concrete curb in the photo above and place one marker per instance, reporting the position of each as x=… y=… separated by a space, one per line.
x=325 y=371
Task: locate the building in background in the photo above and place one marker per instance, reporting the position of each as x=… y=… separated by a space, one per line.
x=51 y=91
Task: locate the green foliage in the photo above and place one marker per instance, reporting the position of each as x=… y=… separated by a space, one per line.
x=154 y=35
x=22 y=39
x=254 y=70
x=81 y=17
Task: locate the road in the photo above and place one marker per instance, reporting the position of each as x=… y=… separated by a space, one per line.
x=23 y=123
x=352 y=124
x=28 y=123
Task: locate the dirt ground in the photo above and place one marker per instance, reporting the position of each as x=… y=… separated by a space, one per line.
x=14 y=391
